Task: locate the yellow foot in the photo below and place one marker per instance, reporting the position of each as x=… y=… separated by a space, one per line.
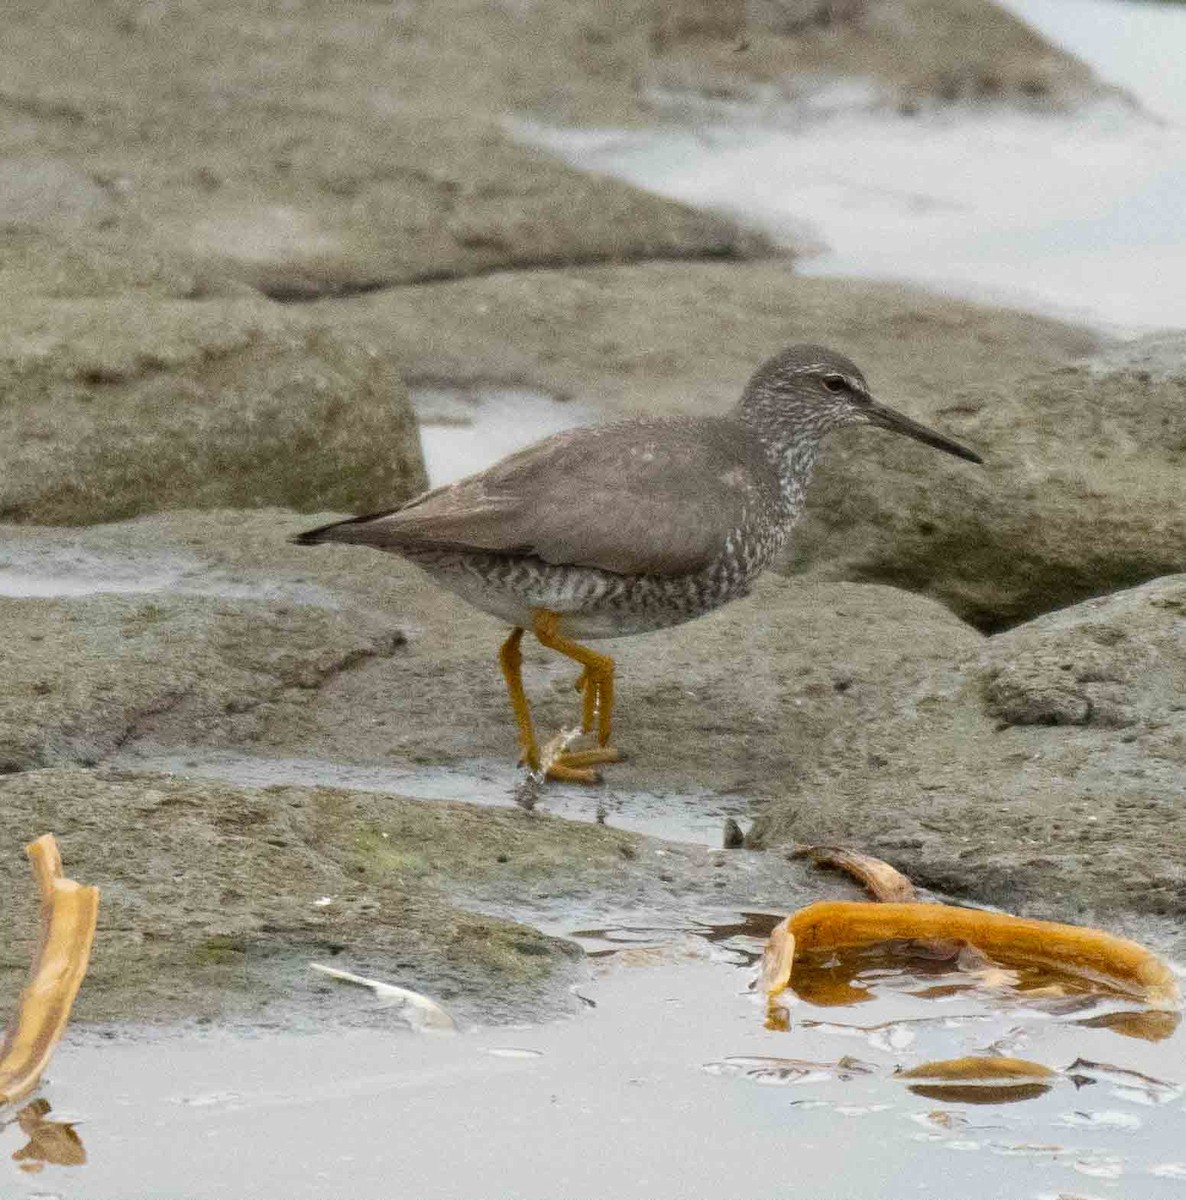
x=576 y=766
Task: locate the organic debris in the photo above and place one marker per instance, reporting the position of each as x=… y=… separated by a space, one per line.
x=1149 y=1024
x=1097 y=958
x=979 y=1067
x=978 y=1079
x=783 y=1071
x=775 y=972
x=885 y=884
x=421 y=1013
x=51 y=1143
x=68 y=915
x=1133 y=1085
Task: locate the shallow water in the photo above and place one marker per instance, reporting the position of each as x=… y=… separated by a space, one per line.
x=668 y=1084
x=51 y=566
x=695 y=817
x=1078 y=216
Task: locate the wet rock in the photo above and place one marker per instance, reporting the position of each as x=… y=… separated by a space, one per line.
x=910 y=54
x=215 y=898
x=1045 y=774
x=124 y=404
x=1040 y=769
x=740 y=702
x=309 y=154
x=1075 y=499
x=86 y=674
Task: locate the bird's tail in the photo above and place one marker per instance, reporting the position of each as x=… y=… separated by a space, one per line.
x=336 y=531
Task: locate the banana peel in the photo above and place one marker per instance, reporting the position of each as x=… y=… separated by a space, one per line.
x=69 y=912
x=884 y=883
x=1078 y=950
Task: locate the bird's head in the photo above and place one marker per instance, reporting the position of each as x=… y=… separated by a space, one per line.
x=806 y=391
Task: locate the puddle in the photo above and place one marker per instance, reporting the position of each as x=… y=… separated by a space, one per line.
x=696 y=817
x=667 y=1085
x=47 y=571
x=463 y=430
x=1074 y=216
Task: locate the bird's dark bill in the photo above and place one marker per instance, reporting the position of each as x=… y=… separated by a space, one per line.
x=897 y=422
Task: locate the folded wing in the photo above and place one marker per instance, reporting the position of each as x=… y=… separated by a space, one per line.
x=640 y=497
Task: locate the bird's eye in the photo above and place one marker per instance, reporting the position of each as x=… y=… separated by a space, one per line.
x=836 y=383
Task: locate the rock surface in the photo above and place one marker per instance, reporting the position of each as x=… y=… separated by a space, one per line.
x=334 y=148
x=1046 y=772
x=164 y=164
x=739 y=702
x=667 y=337
x=1039 y=769
x=907 y=53
x=1080 y=494
x=87 y=675
x=215 y=899
x=125 y=404
x=337 y=147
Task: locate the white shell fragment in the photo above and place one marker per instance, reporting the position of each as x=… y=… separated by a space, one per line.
x=421 y=1013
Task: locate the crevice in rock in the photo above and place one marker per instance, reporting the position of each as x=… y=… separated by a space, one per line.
x=162 y=707
x=309 y=291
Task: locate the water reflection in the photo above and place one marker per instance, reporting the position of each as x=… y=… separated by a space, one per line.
x=945 y=969
x=52 y=1143
x=1153 y=1025
x=980 y=1093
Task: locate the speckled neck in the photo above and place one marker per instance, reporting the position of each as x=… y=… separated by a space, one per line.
x=790 y=433
x=795 y=466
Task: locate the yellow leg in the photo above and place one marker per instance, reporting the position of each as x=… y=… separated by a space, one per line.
x=575 y=767
x=588 y=689
x=598 y=677
x=510 y=659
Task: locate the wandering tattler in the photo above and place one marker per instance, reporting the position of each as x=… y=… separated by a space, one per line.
x=624 y=528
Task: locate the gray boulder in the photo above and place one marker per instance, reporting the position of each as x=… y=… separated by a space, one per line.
x=120 y=405
x=1080 y=494
x=1046 y=773
x=85 y=675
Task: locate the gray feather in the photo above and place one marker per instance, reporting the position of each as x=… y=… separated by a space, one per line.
x=652 y=497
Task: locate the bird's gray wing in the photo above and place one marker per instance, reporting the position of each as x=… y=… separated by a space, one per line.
x=639 y=497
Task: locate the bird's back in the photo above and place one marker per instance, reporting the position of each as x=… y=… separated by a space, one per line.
x=644 y=497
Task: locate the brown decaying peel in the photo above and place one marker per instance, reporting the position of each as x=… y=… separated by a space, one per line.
x=777 y=956
x=1077 y=949
x=980 y=1079
x=68 y=915
x=975 y=1066
x=883 y=882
